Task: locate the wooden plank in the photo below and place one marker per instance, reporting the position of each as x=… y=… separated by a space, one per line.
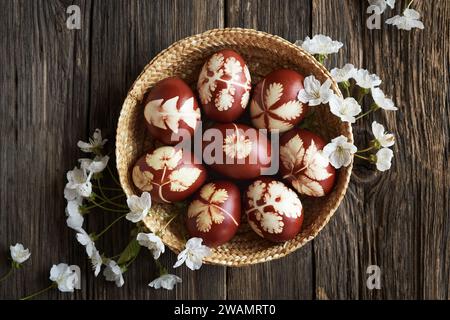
x=44 y=85
x=293 y=276
x=426 y=143
x=397 y=220
x=341 y=250
x=125 y=36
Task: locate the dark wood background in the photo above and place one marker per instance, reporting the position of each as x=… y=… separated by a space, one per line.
x=58 y=85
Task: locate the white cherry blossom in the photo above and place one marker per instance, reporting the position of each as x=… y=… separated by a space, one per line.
x=339 y=152
x=344 y=74
x=381 y=101
x=96 y=165
x=315 y=93
x=74 y=217
x=407 y=21
x=78 y=184
x=366 y=80
x=95 y=143
x=166 y=281
x=379 y=6
x=65 y=276
x=96 y=261
x=384 y=158
x=346 y=109
x=193 y=255
x=383 y=138
x=113 y=272
x=84 y=239
x=152 y=242
x=19 y=254
x=139 y=207
x=320 y=44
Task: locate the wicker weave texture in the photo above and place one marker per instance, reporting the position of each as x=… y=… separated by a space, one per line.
x=263 y=53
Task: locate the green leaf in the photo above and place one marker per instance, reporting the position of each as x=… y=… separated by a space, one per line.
x=130 y=252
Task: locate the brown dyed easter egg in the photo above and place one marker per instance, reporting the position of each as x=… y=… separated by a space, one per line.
x=303 y=165
x=274 y=104
x=171 y=111
x=224 y=86
x=236 y=151
x=215 y=213
x=273 y=210
x=169 y=174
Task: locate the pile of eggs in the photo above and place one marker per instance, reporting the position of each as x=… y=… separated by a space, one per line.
x=234 y=189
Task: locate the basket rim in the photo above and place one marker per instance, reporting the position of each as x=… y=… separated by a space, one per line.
x=346 y=174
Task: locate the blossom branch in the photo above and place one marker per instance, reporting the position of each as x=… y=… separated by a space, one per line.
x=97 y=236
x=8 y=273
x=106 y=198
x=53 y=285
x=104 y=202
x=105 y=208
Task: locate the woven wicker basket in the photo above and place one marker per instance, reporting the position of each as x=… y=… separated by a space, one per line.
x=263 y=53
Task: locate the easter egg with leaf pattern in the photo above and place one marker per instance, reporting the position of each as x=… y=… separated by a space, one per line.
x=171 y=111
x=215 y=213
x=273 y=210
x=303 y=165
x=168 y=174
x=224 y=86
x=237 y=151
x=274 y=104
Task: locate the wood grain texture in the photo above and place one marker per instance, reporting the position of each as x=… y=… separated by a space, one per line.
x=293 y=276
x=58 y=85
x=44 y=85
x=397 y=220
x=125 y=36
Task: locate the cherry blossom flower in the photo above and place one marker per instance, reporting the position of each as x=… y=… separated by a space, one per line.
x=19 y=254
x=383 y=138
x=381 y=101
x=346 y=109
x=339 y=152
x=366 y=80
x=74 y=218
x=384 y=158
x=320 y=44
x=139 y=207
x=344 y=74
x=96 y=261
x=193 y=255
x=95 y=143
x=65 y=277
x=78 y=185
x=113 y=272
x=166 y=281
x=314 y=93
x=379 y=6
x=84 y=239
x=96 y=165
x=92 y=252
x=408 y=21
x=152 y=242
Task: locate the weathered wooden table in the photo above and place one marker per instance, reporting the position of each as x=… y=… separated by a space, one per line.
x=57 y=85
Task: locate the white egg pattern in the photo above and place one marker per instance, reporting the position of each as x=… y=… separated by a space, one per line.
x=306 y=166
x=275 y=195
x=270 y=117
x=227 y=71
x=165 y=114
x=165 y=159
